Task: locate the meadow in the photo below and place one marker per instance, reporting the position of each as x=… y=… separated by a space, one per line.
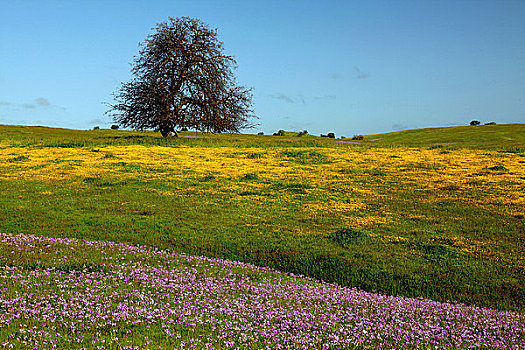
x=432 y=213
x=70 y=294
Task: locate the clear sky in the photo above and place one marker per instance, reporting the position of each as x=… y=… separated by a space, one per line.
x=349 y=67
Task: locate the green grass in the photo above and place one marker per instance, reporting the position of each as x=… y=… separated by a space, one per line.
x=507 y=137
x=270 y=225
x=68 y=138
x=504 y=137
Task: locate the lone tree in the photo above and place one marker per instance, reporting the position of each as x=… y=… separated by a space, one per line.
x=183 y=79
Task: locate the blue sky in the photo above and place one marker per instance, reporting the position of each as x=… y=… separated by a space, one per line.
x=349 y=67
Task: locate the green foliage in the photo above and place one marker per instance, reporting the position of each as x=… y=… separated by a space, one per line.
x=108 y=155
x=498 y=168
x=433 y=251
x=292 y=187
x=18 y=159
x=207 y=178
x=475 y=122
x=249 y=177
x=347 y=236
x=255 y=155
x=305 y=157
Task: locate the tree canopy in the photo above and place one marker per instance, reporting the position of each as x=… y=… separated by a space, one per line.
x=183 y=79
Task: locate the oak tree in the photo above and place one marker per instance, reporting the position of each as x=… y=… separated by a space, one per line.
x=183 y=79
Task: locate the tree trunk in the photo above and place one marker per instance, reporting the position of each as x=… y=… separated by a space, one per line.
x=167 y=131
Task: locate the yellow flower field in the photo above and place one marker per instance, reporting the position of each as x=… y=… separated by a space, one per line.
x=423 y=169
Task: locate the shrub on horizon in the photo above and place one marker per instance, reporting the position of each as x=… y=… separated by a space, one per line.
x=475 y=122
x=301 y=133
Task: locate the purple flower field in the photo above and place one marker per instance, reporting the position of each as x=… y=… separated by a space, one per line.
x=71 y=294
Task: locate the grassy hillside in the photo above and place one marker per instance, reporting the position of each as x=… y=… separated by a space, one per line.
x=506 y=136
x=67 y=138
x=416 y=219
x=70 y=294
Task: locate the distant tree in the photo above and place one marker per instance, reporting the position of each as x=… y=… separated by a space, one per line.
x=331 y=135
x=475 y=122
x=114 y=127
x=279 y=133
x=96 y=127
x=490 y=123
x=182 y=78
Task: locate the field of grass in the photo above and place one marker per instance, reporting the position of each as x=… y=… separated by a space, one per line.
x=433 y=213
x=70 y=294
x=499 y=137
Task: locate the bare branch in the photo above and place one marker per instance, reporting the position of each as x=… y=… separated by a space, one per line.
x=183 y=79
